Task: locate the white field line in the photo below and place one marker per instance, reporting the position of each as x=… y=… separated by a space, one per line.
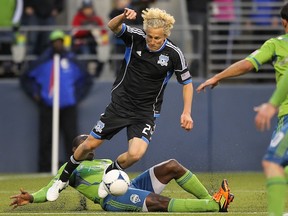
x=166 y=191
x=135 y=213
x=24 y=176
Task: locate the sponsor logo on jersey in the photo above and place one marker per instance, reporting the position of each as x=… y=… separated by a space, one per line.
x=163 y=60
x=134 y=198
x=100 y=125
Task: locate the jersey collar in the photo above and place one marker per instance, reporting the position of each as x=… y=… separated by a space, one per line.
x=161 y=48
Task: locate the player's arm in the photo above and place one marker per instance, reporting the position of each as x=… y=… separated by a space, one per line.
x=266 y=111
x=186 y=120
x=115 y=24
x=25 y=198
x=281 y=92
x=238 y=68
x=21 y=199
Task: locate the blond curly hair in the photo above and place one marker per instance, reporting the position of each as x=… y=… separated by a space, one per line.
x=157 y=18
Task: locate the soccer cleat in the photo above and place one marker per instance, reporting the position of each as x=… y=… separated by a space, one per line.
x=102 y=192
x=54 y=191
x=223 y=196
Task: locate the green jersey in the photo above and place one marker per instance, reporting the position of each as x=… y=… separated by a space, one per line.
x=280 y=92
x=275 y=50
x=85 y=179
x=10 y=12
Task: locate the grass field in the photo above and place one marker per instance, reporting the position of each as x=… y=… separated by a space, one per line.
x=248 y=188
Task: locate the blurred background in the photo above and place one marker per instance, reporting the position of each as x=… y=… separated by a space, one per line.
x=212 y=35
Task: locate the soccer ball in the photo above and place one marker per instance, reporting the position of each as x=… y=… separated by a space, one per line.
x=116 y=182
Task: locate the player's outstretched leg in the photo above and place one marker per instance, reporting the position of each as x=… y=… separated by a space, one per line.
x=223 y=196
x=172 y=169
x=60 y=184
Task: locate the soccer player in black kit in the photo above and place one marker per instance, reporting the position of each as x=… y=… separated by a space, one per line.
x=137 y=93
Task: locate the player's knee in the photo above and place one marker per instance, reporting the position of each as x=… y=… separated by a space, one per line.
x=135 y=157
x=172 y=165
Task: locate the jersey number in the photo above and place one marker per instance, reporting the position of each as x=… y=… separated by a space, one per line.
x=148 y=128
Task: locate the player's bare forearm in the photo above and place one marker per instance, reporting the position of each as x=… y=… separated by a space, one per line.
x=186 y=119
x=187 y=97
x=236 y=69
x=115 y=24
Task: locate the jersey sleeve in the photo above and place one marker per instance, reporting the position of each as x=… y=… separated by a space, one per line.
x=127 y=33
x=181 y=68
x=281 y=91
x=262 y=55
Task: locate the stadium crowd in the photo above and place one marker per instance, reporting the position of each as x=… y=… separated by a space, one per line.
x=21 y=39
x=25 y=27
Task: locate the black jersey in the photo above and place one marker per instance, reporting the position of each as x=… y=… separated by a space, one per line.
x=144 y=74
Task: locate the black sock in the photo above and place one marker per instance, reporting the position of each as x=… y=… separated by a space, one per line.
x=114 y=165
x=71 y=165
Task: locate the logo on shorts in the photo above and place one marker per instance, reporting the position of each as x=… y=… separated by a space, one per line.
x=100 y=125
x=163 y=60
x=134 y=198
x=277 y=139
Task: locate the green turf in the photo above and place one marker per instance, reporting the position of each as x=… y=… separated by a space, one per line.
x=248 y=188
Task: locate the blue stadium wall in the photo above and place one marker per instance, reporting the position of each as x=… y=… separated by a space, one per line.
x=224 y=137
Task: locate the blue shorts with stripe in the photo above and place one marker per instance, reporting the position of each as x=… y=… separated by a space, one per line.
x=134 y=198
x=277 y=151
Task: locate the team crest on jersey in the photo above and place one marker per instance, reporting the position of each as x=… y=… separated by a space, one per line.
x=100 y=125
x=134 y=198
x=163 y=60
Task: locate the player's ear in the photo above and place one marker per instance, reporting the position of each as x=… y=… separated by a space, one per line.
x=73 y=149
x=284 y=22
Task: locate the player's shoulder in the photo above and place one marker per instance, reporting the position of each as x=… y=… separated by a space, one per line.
x=102 y=161
x=172 y=46
x=97 y=162
x=278 y=39
x=135 y=30
x=174 y=50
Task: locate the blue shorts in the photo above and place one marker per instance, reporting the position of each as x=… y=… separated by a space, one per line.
x=134 y=198
x=277 y=151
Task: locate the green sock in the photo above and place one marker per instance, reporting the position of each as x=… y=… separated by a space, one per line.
x=276 y=192
x=190 y=183
x=193 y=205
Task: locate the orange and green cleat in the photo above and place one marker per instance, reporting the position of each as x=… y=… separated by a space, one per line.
x=223 y=196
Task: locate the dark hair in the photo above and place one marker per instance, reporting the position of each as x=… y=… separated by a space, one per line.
x=79 y=139
x=284 y=12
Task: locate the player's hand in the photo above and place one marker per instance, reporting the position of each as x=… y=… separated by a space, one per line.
x=21 y=199
x=213 y=82
x=130 y=14
x=265 y=113
x=186 y=121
